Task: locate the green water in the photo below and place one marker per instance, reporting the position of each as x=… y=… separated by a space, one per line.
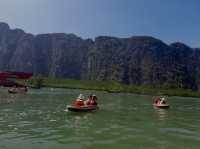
x=125 y=121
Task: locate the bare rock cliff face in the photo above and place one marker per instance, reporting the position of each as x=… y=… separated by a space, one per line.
x=58 y=54
x=144 y=61
x=140 y=60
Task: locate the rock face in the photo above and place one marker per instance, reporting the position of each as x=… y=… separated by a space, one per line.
x=144 y=61
x=139 y=60
x=58 y=54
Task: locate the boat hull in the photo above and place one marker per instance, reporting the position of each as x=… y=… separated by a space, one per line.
x=12 y=92
x=82 y=108
x=163 y=106
x=17 y=90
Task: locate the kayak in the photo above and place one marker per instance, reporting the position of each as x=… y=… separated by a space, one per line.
x=161 y=105
x=12 y=91
x=17 y=90
x=81 y=108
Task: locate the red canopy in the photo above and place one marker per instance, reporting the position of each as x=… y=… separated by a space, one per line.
x=17 y=75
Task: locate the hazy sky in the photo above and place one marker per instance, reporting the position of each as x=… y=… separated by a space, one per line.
x=168 y=20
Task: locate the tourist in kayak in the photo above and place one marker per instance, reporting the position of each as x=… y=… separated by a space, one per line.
x=91 y=101
x=88 y=101
x=95 y=100
x=79 y=101
x=157 y=100
x=163 y=101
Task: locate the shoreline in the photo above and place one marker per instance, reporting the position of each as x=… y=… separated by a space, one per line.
x=108 y=86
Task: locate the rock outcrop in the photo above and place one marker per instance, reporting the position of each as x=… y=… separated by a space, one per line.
x=139 y=60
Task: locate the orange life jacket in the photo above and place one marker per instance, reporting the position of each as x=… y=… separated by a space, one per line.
x=79 y=103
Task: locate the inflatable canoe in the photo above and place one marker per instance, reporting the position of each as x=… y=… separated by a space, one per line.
x=81 y=108
x=161 y=105
x=17 y=90
x=12 y=91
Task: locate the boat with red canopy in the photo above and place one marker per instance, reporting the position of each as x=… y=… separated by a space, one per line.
x=17 y=75
x=15 y=87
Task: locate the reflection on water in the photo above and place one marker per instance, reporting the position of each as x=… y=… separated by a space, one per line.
x=37 y=120
x=161 y=113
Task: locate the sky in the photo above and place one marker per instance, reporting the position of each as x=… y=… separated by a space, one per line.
x=168 y=20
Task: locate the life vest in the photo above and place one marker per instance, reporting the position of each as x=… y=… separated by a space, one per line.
x=91 y=102
x=79 y=103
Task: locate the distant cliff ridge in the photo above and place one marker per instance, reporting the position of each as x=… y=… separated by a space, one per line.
x=139 y=60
